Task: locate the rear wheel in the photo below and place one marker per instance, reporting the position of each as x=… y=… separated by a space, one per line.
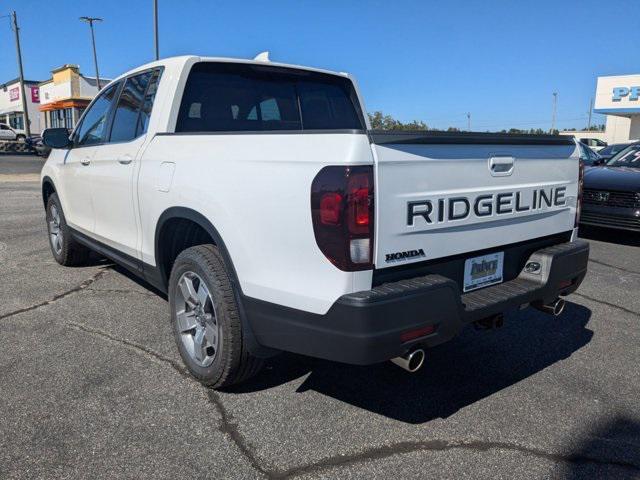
x=65 y=249
x=205 y=319
x=21 y=138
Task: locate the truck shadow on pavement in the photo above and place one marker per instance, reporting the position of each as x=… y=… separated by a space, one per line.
x=609 y=449
x=609 y=235
x=473 y=366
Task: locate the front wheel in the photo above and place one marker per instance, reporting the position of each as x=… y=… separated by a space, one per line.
x=65 y=249
x=205 y=319
x=21 y=138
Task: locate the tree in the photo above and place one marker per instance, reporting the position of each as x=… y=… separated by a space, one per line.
x=380 y=121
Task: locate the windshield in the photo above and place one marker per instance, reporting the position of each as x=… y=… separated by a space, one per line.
x=613 y=149
x=629 y=157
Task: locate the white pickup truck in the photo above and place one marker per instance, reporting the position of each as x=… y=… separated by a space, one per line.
x=257 y=197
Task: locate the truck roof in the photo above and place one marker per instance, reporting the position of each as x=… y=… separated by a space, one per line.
x=181 y=61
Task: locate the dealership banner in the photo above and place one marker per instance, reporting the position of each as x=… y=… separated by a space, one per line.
x=14 y=94
x=35 y=95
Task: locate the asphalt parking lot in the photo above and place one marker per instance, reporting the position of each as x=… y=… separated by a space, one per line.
x=91 y=384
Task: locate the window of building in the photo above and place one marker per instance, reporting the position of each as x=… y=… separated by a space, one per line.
x=16 y=120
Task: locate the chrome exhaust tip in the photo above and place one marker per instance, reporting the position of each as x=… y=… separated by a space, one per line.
x=554 y=308
x=411 y=361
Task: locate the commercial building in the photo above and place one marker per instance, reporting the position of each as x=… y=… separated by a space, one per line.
x=11 y=109
x=65 y=96
x=618 y=97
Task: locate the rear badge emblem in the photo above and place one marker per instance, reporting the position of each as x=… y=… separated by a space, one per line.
x=394 y=257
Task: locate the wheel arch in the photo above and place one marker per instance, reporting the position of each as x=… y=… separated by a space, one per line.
x=163 y=264
x=174 y=214
x=48 y=187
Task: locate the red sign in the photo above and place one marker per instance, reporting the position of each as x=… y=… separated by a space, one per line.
x=14 y=94
x=35 y=95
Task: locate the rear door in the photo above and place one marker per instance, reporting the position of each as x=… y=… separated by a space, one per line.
x=439 y=194
x=116 y=162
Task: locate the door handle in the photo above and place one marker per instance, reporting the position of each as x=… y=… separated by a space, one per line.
x=501 y=166
x=85 y=161
x=125 y=159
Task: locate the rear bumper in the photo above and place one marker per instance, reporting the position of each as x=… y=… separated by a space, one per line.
x=365 y=327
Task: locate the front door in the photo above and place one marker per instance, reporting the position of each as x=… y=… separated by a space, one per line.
x=76 y=167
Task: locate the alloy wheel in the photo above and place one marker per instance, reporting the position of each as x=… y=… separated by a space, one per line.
x=196 y=319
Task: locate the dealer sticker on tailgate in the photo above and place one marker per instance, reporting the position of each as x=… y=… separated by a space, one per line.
x=483 y=271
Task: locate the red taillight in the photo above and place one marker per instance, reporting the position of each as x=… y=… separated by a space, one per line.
x=330 y=208
x=579 y=197
x=358 y=198
x=342 y=212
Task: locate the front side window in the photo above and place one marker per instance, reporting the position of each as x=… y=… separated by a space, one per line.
x=221 y=97
x=93 y=128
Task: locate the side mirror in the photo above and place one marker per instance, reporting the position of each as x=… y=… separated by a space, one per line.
x=56 y=138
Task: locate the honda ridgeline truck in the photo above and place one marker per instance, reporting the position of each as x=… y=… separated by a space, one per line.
x=257 y=197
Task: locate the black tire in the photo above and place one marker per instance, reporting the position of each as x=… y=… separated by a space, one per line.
x=232 y=362
x=70 y=253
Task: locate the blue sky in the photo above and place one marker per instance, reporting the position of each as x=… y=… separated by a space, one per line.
x=427 y=60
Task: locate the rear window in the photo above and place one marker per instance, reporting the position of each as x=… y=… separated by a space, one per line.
x=227 y=97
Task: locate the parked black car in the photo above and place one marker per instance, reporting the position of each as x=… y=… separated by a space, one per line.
x=609 y=151
x=611 y=196
x=35 y=144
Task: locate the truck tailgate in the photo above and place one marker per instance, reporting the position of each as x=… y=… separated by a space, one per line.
x=440 y=194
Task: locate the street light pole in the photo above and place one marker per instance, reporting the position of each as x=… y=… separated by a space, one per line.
x=90 y=21
x=16 y=30
x=155 y=29
x=553 y=118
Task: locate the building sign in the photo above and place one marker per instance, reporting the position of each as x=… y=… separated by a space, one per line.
x=631 y=93
x=14 y=94
x=35 y=95
x=618 y=94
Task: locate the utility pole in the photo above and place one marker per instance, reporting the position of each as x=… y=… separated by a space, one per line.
x=16 y=30
x=555 y=107
x=155 y=28
x=590 y=112
x=468 y=121
x=90 y=21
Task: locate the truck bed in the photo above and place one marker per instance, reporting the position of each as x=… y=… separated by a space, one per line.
x=383 y=137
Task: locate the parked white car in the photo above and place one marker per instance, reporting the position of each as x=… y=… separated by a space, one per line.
x=255 y=195
x=8 y=133
x=594 y=143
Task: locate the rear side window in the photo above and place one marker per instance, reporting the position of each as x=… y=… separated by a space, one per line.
x=221 y=97
x=132 y=113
